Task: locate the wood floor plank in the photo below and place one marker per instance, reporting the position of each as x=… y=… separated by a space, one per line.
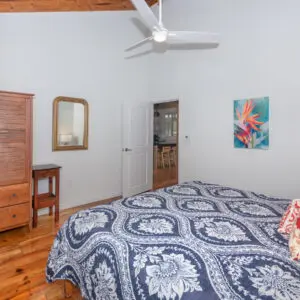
x=39 y=243
x=9 y=253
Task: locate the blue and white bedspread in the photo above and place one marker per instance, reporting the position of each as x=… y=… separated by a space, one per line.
x=190 y=241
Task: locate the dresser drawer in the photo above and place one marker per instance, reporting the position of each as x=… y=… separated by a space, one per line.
x=14 y=194
x=15 y=215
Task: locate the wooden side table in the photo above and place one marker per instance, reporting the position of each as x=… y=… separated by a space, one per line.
x=46 y=199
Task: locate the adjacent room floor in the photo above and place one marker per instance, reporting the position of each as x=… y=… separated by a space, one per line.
x=164 y=177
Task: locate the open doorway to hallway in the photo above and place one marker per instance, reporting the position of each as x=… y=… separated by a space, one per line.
x=165 y=144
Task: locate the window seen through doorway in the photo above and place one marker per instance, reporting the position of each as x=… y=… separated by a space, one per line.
x=170 y=124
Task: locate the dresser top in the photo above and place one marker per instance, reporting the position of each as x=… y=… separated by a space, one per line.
x=45 y=167
x=16 y=94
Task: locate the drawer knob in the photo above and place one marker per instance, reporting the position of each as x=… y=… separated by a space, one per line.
x=14 y=195
x=14 y=215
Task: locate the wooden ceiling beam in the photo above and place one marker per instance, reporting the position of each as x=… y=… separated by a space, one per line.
x=66 y=5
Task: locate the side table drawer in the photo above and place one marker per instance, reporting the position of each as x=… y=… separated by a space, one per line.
x=14 y=194
x=15 y=215
x=44 y=173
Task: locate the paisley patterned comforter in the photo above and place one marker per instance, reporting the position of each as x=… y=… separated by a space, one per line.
x=189 y=241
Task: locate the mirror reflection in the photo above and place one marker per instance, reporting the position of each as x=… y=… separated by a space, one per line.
x=70 y=127
x=70 y=124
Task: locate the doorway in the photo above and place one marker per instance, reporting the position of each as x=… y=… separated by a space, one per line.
x=165 y=144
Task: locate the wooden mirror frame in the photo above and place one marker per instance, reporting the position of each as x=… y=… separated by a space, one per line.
x=55 y=145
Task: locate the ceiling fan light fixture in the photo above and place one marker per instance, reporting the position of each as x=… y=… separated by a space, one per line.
x=160 y=36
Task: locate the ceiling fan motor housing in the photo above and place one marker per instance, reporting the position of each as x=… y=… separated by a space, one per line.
x=160 y=36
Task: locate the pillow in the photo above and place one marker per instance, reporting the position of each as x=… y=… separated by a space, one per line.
x=289 y=217
x=294 y=242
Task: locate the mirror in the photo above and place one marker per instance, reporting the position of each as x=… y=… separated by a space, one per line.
x=70 y=124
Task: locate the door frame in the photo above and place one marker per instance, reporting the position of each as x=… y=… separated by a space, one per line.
x=177 y=137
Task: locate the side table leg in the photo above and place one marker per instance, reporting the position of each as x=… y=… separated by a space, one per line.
x=57 y=179
x=50 y=193
x=35 y=217
x=35 y=203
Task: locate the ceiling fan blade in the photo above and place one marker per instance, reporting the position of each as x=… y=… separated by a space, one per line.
x=139 y=43
x=193 y=37
x=146 y=13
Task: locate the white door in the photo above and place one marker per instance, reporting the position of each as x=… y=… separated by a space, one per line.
x=137 y=148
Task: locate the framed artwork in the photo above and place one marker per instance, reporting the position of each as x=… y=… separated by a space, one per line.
x=251 y=123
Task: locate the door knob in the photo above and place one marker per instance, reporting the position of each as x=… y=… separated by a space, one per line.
x=127 y=149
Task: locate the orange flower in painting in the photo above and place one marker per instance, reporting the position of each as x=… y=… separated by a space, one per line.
x=244 y=135
x=245 y=117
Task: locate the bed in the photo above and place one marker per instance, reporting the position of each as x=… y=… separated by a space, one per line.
x=190 y=241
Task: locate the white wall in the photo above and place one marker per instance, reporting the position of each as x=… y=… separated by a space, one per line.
x=76 y=55
x=258 y=56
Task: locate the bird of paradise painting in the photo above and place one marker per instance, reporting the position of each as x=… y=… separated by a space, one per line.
x=251 y=123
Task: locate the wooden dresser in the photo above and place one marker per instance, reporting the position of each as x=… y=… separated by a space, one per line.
x=15 y=159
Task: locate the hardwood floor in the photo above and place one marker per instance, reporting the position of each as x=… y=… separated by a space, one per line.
x=164 y=177
x=23 y=258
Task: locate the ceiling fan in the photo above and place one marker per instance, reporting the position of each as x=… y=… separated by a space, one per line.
x=161 y=35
